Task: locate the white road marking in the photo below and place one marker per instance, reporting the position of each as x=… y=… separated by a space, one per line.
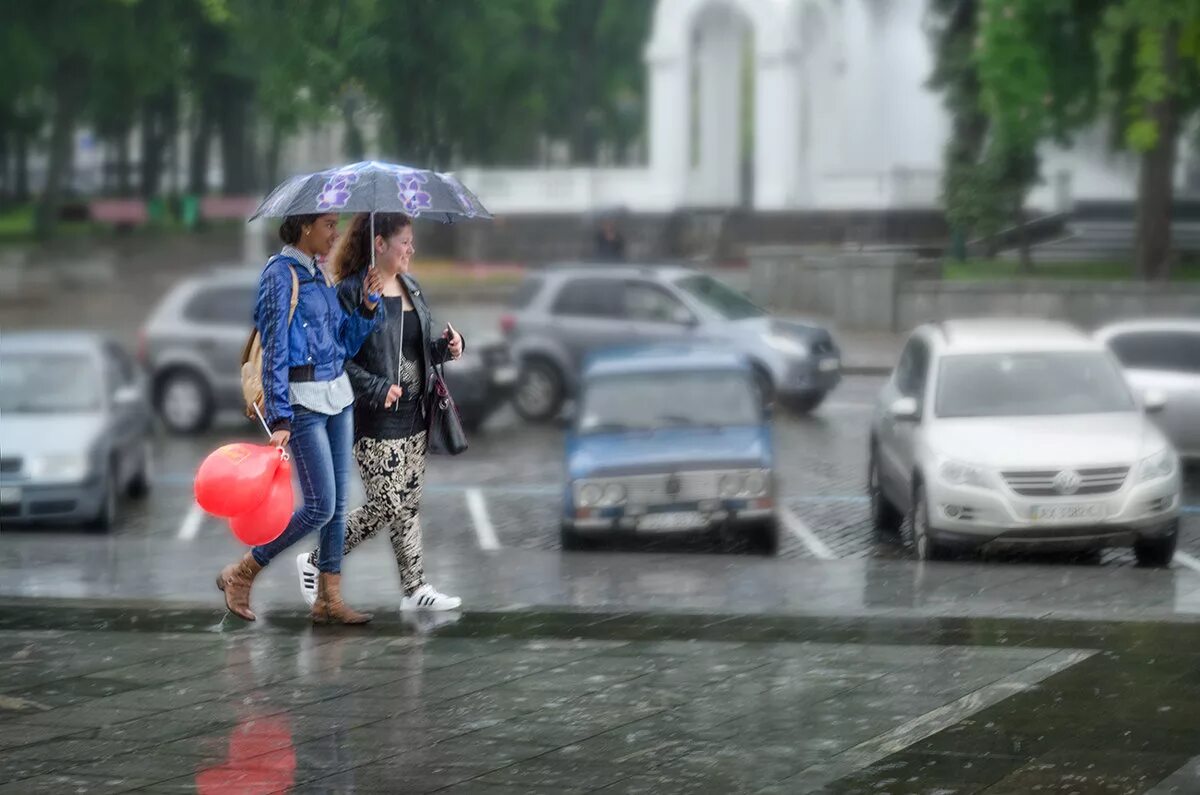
x=191 y=523
x=798 y=528
x=483 y=523
x=1184 y=559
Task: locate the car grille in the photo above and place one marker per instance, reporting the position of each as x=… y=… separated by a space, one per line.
x=1098 y=480
x=668 y=488
x=10 y=466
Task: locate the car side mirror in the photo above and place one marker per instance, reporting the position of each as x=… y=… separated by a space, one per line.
x=1153 y=401
x=905 y=409
x=127 y=396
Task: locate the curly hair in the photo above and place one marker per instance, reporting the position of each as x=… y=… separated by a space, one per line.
x=353 y=253
x=289 y=230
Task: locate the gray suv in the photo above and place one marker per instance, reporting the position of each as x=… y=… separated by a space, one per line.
x=192 y=345
x=562 y=313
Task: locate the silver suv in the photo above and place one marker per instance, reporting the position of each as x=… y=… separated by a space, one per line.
x=562 y=313
x=192 y=345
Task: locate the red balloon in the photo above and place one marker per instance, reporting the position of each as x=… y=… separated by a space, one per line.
x=235 y=478
x=263 y=524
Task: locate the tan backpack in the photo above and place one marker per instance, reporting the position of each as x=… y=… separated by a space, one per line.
x=252 y=356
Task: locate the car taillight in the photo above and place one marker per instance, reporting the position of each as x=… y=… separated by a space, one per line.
x=508 y=323
x=143 y=348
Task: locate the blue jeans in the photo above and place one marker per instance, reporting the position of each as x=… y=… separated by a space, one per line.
x=322 y=457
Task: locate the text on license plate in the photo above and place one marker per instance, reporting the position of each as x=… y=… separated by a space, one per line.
x=826 y=365
x=675 y=520
x=10 y=495
x=1069 y=513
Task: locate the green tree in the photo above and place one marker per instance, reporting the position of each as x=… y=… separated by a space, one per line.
x=1150 y=52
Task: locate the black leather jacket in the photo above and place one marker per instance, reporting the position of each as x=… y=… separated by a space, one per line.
x=374 y=368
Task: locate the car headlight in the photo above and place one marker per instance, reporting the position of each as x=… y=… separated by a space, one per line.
x=1160 y=465
x=59 y=466
x=788 y=345
x=956 y=473
x=756 y=484
x=614 y=494
x=731 y=485
x=590 y=495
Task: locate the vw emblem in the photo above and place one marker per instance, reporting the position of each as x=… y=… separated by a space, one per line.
x=673 y=486
x=1067 y=482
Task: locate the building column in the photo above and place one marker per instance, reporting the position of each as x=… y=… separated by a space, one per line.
x=776 y=131
x=669 y=131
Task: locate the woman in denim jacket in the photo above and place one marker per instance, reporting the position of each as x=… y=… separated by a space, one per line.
x=307 y=400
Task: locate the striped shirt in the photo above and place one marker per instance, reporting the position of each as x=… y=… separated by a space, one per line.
x=324 y=397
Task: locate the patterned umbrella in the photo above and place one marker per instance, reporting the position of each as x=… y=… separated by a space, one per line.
x=371 y=187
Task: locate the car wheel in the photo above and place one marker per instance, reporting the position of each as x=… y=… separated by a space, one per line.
x=924 y=544
x=765 y=386
x=184 y=401
x=106 y=519
x=884 y=515
x=539 y=395
x=807 y=403
x=1156 y=552
x=139 y=487
x=763 y=537
x=572 y=541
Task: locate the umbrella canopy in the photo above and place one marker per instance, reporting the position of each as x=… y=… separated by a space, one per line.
x=370 y=187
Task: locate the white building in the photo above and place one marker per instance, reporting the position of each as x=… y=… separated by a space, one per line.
x=842 y=119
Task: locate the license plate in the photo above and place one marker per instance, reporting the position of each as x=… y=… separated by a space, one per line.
x=828 y=365
x=679 y=520
x=10 y=495
x=1069 y=513
x=505 y=375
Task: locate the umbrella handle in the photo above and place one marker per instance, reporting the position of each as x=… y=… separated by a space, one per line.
x=373 y=296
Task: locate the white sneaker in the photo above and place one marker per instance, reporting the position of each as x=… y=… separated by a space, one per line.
x=308 y=579
x=428 y=598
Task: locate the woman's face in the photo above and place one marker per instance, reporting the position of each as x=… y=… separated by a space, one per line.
x=395 y=253
x=320 y=237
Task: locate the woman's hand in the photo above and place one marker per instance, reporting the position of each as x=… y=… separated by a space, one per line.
x=281 y=438
x=393 y=394
x=456 y=342
x=372 y=285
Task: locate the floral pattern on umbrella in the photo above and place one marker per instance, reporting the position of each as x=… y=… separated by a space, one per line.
x=335 y=194
x=412 y=194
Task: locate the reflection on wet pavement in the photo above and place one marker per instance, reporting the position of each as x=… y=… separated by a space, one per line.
x=111 y=698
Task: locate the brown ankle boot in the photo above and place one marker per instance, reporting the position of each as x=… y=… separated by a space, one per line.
x=329 y=607
x=235 y=580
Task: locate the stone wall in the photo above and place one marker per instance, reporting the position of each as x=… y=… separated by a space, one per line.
x=887 y=291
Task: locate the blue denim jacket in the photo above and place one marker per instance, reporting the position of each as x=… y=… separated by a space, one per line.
x=324 y=332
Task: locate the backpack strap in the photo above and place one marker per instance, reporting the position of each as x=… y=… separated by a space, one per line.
x=295 y=299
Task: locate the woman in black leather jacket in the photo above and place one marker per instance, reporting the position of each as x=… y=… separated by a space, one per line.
x=392 y=375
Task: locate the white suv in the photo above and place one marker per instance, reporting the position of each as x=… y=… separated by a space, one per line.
x=1020 y=433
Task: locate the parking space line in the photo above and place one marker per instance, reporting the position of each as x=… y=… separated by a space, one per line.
x=1184 y=559
x=798 y=528
x=191 y=523
x=481 y=520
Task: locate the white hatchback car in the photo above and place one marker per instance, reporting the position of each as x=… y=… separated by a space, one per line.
x=1018 y=433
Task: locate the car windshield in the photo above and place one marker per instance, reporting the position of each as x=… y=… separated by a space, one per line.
x=49 y=383
x=1030 y=384
x=656 y=400
x=731 y=304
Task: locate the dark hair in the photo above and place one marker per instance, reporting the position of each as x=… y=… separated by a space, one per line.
x=353 y=253
x=290 y=229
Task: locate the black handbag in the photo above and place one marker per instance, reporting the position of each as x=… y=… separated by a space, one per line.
x=445 y=432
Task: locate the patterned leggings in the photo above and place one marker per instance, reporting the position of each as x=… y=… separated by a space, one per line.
x=392 y=472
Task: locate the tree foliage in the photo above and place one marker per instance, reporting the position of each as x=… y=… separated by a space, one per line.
x=475 y=81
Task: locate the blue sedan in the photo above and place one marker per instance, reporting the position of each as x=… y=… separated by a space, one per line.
x=670 y=440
